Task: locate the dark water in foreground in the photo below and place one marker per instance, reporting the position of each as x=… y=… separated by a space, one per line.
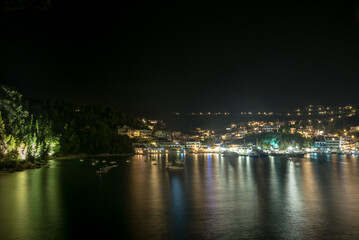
x=213 y=198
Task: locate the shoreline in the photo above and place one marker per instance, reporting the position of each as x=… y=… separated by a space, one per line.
x=40 y=164
x=21 y=166
x=94 y=155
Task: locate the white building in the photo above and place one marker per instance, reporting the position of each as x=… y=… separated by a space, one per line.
x=131 y=133
x=269 y=129
x=332 y=142
x=145 y=132
x=354 y=129
x=169 y=145
x=195 y=144
x=161 y=134
x=126 y=130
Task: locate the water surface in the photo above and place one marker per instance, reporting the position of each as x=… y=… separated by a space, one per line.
x=316 y=197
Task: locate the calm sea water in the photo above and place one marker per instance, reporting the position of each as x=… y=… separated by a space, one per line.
x=316 y=197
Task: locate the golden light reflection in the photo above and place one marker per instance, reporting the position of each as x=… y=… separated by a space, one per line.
x=274 y=186
x=147 y=195
x=22 y=196
x=294 y=198
x=311 y=198
x=345 y=174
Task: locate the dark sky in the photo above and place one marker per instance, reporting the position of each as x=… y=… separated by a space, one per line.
x=184 y=56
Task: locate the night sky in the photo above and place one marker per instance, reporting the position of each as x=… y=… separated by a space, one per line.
x=184 y=57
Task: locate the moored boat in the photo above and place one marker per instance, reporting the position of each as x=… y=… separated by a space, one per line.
x=176 y=165
x=296 y=154
x=103 y=170
x=230 y=154
x=173 y=167
x=253 y=154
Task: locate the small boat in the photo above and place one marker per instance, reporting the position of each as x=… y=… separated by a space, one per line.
x=103 y=161
x=127 y=160
x=230 y=154
x=176 y=165
x=253 y=155
x=296 y=154
x=179 y=162
x=113 y=162
x=81 y=160
x=93 y=164
x=103 y=170
x=277 y=153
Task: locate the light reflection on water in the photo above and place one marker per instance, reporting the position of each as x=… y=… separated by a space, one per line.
x=214 y=197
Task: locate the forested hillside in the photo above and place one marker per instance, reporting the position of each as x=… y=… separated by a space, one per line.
x=37 y=129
